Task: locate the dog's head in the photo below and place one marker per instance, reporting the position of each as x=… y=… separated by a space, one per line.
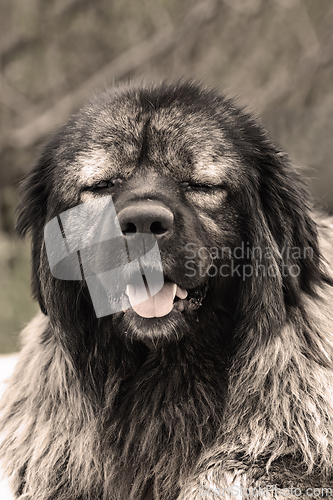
x=188 y=177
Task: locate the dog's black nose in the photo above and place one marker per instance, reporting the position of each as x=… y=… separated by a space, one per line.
x=149 y=218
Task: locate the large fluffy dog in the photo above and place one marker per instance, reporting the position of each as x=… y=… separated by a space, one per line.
x=224 y=379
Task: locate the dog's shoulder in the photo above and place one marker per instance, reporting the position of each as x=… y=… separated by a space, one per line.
x=34 y=329
x=325 y=229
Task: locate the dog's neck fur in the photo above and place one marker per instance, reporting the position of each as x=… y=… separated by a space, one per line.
x=160 y=419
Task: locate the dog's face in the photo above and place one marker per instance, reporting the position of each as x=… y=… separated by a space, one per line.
x=199 y=176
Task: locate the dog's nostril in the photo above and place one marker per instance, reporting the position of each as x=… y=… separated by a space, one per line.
x=149 y=218
x=157 y=228
x=128 y=228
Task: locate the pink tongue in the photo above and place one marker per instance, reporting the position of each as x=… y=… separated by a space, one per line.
x=156 y=306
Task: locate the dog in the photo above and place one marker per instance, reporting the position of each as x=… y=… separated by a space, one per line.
x=184 y=345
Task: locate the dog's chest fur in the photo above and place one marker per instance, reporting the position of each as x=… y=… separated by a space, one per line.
x=160 y=420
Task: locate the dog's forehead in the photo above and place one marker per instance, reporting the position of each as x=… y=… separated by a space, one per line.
x=172 y=139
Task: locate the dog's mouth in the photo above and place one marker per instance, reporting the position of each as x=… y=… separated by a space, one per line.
x=171 y=297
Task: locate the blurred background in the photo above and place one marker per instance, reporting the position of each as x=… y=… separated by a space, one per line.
x=274 y=56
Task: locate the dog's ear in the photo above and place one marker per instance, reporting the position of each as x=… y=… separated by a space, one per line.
x=31 y=218
x=287 y=209
x=31 y=211
x=260 y=308
x=285 y=261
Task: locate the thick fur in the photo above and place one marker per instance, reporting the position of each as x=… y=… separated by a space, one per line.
x=236 y=390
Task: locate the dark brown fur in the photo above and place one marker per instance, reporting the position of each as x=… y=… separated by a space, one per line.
x=236 y=390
